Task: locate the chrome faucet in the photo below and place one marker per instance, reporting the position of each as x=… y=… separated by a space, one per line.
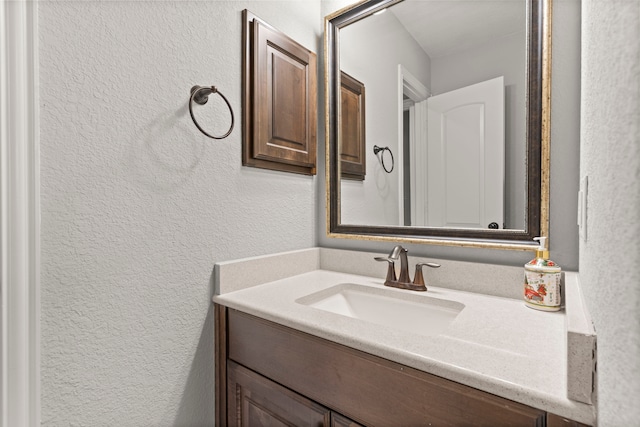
x=404 y=280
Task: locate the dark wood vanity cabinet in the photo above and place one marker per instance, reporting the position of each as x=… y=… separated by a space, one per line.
x=268 y=374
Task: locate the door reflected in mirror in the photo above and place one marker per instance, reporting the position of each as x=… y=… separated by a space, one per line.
x=446 y=91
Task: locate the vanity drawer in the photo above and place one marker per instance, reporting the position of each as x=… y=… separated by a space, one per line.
x=368 y=389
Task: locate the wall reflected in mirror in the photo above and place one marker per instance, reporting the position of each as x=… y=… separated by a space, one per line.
x=446 y=92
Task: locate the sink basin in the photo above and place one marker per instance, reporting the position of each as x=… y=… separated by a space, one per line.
x=405 y=311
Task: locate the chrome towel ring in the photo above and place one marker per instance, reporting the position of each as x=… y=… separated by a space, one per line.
x=381 y=150
x=200 y=95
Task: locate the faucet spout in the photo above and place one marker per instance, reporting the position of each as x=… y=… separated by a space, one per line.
x=395 y=252
x=401 y=253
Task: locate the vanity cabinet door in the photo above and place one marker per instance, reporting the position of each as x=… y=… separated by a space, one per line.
x=253 y=400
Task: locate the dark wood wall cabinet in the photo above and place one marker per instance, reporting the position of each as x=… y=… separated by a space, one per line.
x=352 y=128
x=268 y=374
x=279 y=101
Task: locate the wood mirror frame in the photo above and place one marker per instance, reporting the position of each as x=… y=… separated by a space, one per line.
x=538 y=109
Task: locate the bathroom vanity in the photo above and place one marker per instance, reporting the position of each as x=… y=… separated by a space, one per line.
x=286 y=355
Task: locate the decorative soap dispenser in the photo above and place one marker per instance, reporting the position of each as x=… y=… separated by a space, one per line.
x=542 y=280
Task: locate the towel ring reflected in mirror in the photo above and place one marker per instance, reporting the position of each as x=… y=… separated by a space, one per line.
x=381 y=150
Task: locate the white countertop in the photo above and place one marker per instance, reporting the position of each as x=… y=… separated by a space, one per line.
x=495 y=344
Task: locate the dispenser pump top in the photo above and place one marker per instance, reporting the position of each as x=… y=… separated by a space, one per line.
x=542 y=251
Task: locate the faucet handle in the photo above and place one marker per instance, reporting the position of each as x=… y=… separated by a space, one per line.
x=391 y=269
x=418 y=279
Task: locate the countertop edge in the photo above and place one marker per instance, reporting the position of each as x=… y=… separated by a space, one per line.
x=581 y=343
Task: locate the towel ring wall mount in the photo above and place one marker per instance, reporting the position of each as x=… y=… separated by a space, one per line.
x=200 y=95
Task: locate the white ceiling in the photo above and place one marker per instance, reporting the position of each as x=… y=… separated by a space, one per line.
x=444 y=27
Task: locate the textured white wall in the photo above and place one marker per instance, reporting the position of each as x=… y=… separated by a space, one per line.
x=137 y=204
x=610 y=157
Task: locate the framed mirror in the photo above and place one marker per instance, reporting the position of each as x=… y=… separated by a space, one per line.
x=454 y=126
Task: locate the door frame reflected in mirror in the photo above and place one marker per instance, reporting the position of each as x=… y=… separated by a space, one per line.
x=537 y=142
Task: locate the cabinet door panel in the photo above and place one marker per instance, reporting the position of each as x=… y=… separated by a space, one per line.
x=256 y=401
x=285 y=91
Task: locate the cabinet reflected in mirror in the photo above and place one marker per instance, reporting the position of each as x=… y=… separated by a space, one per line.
x=455 y=90
x=352 y=128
